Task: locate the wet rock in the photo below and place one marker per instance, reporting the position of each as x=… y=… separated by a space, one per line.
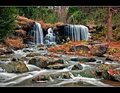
x=37 y=54
x=41 y=77
x=102 y=70
x=99 y=61
x=26 y=50
x=43 y=62
x=84 y=59
x=25 y=45
x=15 y=67
x=66 y=76
x=53 y=55
x=114 y=74
x=14 y=59
x=87 y=73
x=109 y=58
x=79 y=47
x=61 y=75
x=77 y=67
x=40 y=46
x=30 y=55
x=116 y=77
x=6 y=50
x=56 y=66
x=99 y=49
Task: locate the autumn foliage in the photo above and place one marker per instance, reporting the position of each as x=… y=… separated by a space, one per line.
x=65 y=49
x=17 y=43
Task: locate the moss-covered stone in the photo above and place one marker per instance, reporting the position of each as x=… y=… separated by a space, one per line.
x=15 y=67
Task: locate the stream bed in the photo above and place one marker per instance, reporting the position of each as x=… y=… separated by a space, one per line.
x=69 y=73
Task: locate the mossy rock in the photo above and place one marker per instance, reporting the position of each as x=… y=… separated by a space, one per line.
x=103 y=67
x=30 y=55
x=41 y=77
x=84 y=59
x=89 y=73
x=15 y=67
x=77 y=67
x=61 y=75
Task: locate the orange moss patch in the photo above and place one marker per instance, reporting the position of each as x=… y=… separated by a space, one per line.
x=21 y=32
x=17 y=43
x=64 y=49
x=23 y=21
x=40 y=45
x=113 y=72
x=45 y=26
x=42 y=59
x=52 y=55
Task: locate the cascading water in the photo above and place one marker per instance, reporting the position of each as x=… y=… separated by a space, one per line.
x=50 y=37
x=38 y=34
x=39 y=38
x=76 y=32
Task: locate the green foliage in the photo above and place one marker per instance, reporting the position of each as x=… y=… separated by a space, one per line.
x=7 y=21
x=73 y=9
x=81 y=51
x=76 y=17
x=43 y=13
x=116 y=33
x=112 y=51
x=100 y=33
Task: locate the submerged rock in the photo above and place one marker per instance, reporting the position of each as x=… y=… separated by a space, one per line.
x=15 y=67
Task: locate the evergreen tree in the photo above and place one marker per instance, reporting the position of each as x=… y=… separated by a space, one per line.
x=7 y=21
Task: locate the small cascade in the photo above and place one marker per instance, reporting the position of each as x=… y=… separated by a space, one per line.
x=38 y=34
x=76 y=32
x=50 y=37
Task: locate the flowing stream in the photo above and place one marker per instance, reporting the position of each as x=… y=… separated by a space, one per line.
x=25 y=79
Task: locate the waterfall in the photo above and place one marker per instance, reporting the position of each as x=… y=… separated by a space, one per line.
x=38 y=33
x=50 y=37
x=76 y=32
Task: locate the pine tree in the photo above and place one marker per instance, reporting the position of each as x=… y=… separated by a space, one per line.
x=7 y=21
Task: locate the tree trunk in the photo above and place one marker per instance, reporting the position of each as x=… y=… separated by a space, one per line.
x=109 y=36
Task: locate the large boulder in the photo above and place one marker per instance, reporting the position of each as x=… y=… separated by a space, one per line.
x=102 y=70
x=99 y=49
x=43 y=62
x=15 y=67
x=85 y=48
